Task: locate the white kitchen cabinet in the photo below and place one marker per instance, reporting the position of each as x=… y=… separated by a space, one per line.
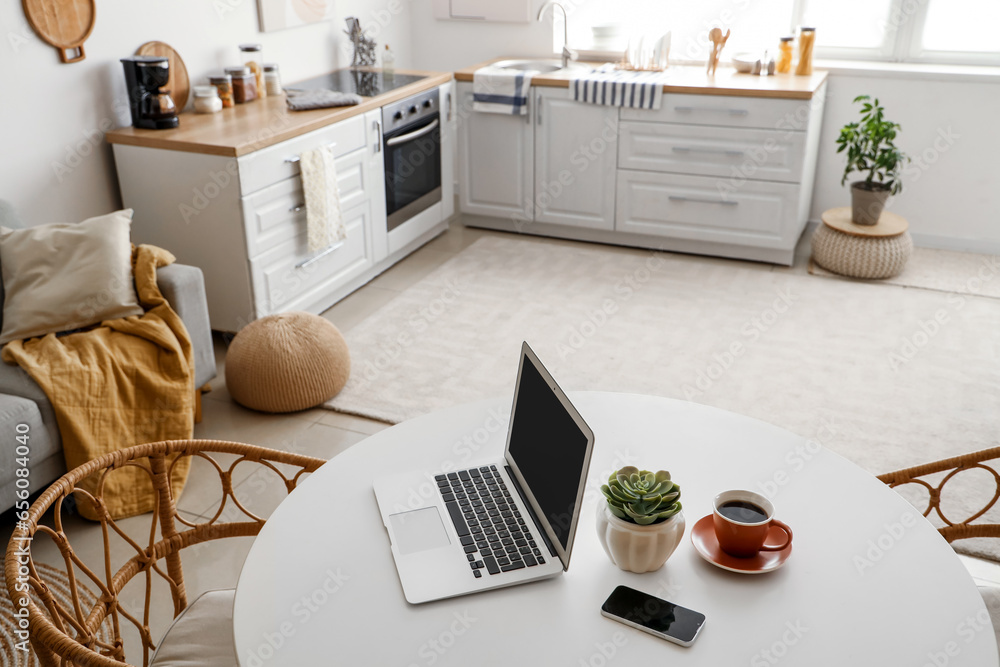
x=242 y=220
x=576 y=148
x=496 y=161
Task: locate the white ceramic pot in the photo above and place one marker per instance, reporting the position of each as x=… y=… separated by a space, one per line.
x=636 y=548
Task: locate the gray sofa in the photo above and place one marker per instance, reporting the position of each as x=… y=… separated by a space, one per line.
x=23 y=402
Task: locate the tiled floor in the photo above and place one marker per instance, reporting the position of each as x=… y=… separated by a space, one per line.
x=316 y=432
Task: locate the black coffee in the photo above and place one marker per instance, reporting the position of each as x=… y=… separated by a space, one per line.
x=741 y=511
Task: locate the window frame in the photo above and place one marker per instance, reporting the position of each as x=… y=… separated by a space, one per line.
x=902 y=42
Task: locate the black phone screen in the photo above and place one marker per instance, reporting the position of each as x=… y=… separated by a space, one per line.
x=651 y=612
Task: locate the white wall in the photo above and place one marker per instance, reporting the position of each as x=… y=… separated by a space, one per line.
x=53 y=114
x=55 y=165
x=951 y=197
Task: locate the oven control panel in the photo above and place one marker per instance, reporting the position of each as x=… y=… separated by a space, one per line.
x=409 y=110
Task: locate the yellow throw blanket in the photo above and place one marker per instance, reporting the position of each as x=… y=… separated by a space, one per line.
x=127 y=382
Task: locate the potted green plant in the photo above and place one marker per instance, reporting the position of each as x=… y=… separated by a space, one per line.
x=641 y=523
x=870 y=148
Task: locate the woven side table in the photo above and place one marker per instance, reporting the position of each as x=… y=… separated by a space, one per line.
x=862 y=251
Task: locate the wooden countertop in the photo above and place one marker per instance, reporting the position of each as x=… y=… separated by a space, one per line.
x=249 y=127
x=691 y=79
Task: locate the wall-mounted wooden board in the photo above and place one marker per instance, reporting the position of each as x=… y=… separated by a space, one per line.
x=65 y=24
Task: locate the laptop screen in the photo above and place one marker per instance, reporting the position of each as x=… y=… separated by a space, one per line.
x=548 y=448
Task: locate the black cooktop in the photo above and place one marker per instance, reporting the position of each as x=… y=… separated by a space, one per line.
x=367 y=83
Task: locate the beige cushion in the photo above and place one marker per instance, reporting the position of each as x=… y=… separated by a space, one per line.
x=202 y=635
x=287 y=362
x=62 y=277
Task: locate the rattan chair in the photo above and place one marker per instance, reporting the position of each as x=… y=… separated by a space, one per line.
x=952 y=531
x=967 y=528
x=69 y=634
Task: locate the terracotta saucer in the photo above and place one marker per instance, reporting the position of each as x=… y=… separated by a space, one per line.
x=707 y=545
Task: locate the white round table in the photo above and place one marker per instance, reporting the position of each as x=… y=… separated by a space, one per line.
x=869 y=581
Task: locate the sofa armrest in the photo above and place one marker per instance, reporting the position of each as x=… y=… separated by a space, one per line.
x=184 y=288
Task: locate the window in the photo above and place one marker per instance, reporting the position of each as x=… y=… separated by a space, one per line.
x=933 y=31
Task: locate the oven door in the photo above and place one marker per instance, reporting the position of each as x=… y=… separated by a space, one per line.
x=412 y=169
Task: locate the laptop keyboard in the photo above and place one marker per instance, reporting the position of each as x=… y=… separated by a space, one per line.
x=489 y=523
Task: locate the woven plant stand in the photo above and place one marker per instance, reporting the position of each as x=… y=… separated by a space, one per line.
x=862 y=251
x=287 y=362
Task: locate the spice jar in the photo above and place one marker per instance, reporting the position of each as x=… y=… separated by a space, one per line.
x=244 y=84
x=807 y=37
x=272 y=80
x=206 y=99
x=785 y=55
x=224 y=86
x=253 y=57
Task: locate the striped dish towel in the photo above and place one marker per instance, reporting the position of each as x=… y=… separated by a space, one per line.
x=496 y=90
x=620 y=88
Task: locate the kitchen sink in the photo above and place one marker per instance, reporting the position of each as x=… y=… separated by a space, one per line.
x=543 y=66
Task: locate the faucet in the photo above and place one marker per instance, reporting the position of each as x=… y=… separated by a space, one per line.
x=567 y=53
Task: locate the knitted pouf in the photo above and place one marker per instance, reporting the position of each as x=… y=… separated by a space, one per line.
x=859 y=256
x=287 y=362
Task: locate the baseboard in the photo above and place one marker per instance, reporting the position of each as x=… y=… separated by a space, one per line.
x=938 y=242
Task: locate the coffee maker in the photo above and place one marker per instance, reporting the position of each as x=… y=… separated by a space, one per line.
x=152 y=108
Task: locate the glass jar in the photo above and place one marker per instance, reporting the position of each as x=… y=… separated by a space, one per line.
x=244 y=84
x=807 y=38
x=272 y=79
x=253 y=57
x=224 y=86
x=207 y=100
x=785 y=55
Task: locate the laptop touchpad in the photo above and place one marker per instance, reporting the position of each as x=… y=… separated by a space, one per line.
x=418 y=530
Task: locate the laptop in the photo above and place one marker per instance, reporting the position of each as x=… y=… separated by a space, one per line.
x=501 y=522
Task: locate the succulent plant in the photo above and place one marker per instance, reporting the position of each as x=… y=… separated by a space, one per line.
x=642 y=497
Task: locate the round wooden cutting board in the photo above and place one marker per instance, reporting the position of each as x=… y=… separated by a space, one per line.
x=65 y=24
x=178 y=84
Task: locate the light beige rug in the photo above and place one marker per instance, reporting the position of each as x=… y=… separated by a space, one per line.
x=885 y=375
x=942 y=270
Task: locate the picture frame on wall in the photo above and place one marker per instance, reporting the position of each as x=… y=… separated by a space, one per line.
x=282 y=14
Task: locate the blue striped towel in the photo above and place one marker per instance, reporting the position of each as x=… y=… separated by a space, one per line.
x=496 y=90
x=620 y=88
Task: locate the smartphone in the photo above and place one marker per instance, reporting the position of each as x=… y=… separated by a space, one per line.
x=653 y=615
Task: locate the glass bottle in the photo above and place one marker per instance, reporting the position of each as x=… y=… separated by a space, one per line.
x=253 y=57
x=224 y=84
x=207 y=100
x=785 y=55
x=388 y=62
x=807 y=38
x=272 y=79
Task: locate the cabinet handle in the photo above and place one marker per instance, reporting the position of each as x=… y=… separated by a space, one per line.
x=295 y=158
x=296 y=208
x=538 y=110
x=378 y=129
x=721 y=151
x=735 y=112
x=448 y=98
x=700 y=200
x=316 y=258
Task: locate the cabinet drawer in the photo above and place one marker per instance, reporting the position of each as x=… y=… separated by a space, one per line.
x=270 y=216
x=692 y=207
x=732 y=153
x=760 y=112
x=282 y=283
x=276 y=163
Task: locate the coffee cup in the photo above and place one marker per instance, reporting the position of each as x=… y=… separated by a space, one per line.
x=742 y=520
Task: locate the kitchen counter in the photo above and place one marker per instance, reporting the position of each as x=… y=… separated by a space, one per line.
x=694 y=80
x=250 y=127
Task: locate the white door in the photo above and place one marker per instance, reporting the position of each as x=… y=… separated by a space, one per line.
x=576 y=153
x=495 y=161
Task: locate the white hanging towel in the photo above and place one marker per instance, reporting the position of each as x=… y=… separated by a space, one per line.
x=324 y=222
x=620 y=88
x=498 y=90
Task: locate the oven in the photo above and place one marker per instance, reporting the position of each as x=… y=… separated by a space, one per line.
x=412 y=147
